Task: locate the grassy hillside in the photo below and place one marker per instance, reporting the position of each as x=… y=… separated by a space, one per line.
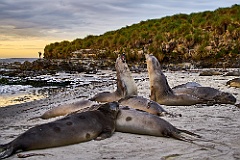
x=206 y=36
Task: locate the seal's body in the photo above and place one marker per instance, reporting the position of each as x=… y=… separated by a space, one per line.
x=125 y=83
x=75 y=128
x=185 y=95
x=138 y=122
x=125 y=80
x=144 y=104
x=106 y=96
x=207 y=95
x=65 y=109
x=188 y=85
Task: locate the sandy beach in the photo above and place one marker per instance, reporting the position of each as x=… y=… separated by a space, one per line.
x=219 y=125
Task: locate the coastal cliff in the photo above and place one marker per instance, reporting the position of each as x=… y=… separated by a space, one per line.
x=206 y=39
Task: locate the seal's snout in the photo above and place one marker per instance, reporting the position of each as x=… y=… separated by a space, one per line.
x=225 y=98
x=114 y=106
x=231 y=99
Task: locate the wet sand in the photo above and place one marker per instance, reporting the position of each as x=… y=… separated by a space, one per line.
x=219 y=125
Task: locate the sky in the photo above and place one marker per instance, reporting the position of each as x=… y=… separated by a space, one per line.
x=27 y=26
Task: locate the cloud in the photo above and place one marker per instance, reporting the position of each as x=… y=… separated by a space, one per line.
x=78 y=18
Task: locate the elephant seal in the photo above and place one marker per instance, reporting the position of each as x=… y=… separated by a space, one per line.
x=160 y=90
x=72 y=129
x=163 y=94
x=125 y=83
x=144 y=104
x=65 y=109
x=208 y=95
x=138 y=122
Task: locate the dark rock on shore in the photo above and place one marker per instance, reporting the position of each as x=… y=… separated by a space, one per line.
x=45 y=66
x=234 y=83
x=210 y=73
x=233 y=73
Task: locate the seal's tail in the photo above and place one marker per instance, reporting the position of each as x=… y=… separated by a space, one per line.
x=190 y=133
x=178 y=135
x=6 y=150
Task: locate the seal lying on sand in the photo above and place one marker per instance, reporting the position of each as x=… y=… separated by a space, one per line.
x=163 y=94
x=138 y=122
x=208 y=95
x=144 y=104
x=65 y=109
x=188 y=85
x=125 y=83
x=75 y=128
x=136 y=102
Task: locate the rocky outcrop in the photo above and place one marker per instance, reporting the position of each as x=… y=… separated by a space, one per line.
x=234 y=83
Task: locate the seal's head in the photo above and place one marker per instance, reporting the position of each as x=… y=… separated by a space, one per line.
x=152 y=63
x=226 y=98
x=121 y=64
x=121 y=58
x=153 y=104
x=110 y=108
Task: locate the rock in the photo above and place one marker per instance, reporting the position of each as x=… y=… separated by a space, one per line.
x=210 y=73
x=237 y=105
x=234 y=83
x=3 y=81
x=233 y=73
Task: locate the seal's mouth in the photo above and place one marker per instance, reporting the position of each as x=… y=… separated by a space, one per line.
x=123 y=57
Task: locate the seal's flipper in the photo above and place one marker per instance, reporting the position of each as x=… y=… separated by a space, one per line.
x=105 y=134
x=190 y=133
x=6 y=150
x=180 y=137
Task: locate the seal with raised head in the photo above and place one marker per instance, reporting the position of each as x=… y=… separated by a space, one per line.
x=160 y=89
x=163 y=94
x=75 y=128
x=140 y=122
x=125 y=83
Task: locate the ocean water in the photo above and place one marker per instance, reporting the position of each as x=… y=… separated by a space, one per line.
x=16 y=94
x=12 y=60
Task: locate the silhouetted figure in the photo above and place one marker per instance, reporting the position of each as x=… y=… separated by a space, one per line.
x=39 y=54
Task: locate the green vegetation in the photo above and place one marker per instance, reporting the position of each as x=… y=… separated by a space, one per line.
x=211 y=35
